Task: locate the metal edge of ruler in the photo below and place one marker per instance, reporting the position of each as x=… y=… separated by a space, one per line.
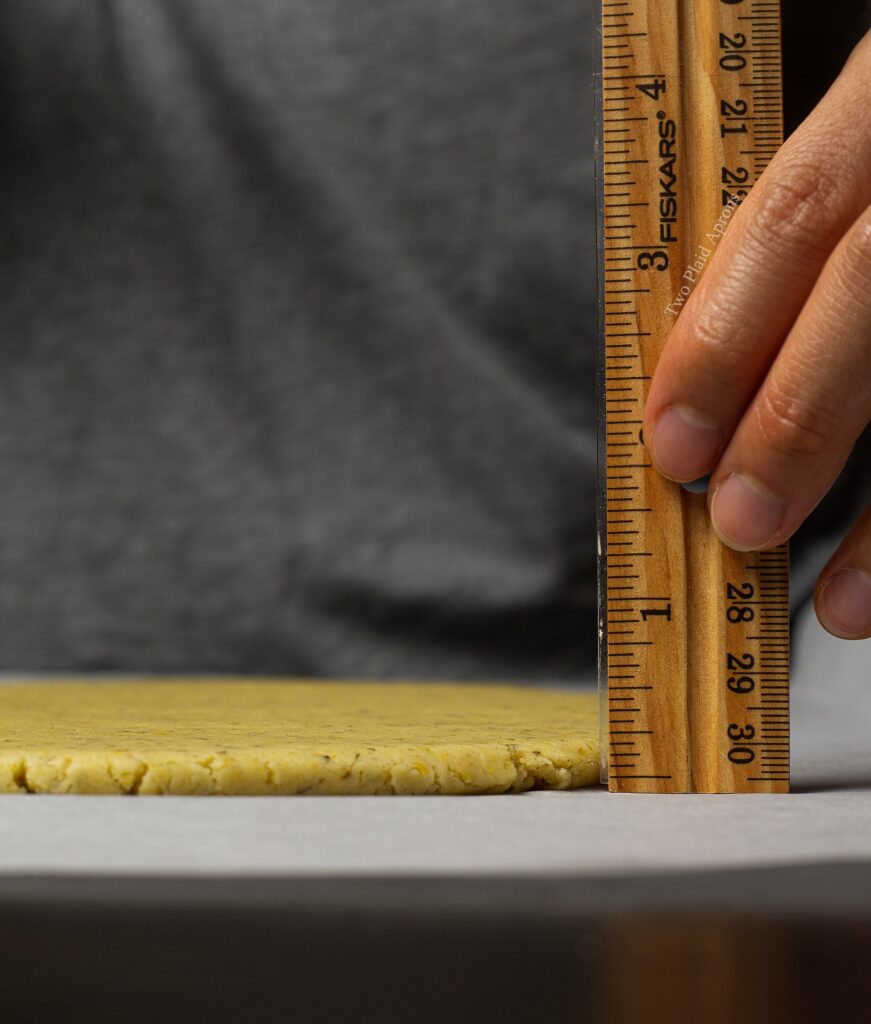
x=601 y=507
x=683 y=700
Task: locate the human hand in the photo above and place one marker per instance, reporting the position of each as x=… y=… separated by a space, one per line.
x=765 y=379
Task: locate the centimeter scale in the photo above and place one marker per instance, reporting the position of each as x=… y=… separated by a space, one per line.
x=694 y=638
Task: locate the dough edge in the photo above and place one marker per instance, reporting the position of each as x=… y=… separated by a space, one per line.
x=390 y=770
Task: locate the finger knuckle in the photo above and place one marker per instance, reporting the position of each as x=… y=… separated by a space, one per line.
x=715 y=333
x=798 y=208
x=857 y=251
x=792 y=424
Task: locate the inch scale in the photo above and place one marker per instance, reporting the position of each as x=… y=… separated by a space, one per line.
x=694 y=637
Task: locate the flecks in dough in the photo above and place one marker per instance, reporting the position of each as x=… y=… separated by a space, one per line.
x=259 y=737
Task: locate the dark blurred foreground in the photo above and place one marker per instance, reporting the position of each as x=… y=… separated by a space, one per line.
x=772 y=945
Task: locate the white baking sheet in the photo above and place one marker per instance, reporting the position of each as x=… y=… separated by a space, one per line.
x=583 y=833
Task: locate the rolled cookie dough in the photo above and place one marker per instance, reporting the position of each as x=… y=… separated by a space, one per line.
x=282 y=737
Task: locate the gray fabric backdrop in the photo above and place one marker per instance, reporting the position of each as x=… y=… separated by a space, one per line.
x=297 y=334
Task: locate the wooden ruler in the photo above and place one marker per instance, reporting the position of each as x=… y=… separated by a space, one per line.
x=694 y=638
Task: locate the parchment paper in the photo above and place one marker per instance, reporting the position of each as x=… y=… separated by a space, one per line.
x=585 y=833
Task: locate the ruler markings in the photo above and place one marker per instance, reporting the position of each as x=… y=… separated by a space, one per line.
x=643 y=115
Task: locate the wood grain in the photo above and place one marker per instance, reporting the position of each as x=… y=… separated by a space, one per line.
x=696 y=634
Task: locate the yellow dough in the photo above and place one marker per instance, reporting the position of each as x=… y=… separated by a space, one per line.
x=283 y=737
